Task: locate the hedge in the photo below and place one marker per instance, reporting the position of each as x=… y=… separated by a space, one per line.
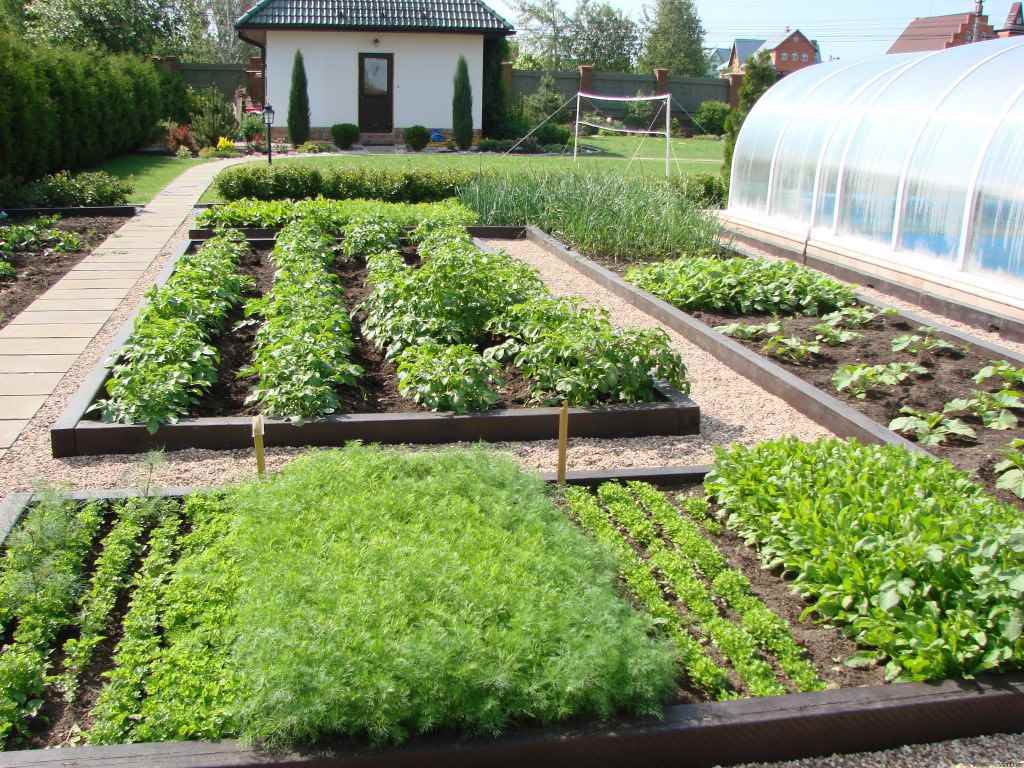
x=71 y=109
x=296 y=182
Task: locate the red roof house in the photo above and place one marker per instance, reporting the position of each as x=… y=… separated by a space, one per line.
x=1014 y=22
x=934 y=33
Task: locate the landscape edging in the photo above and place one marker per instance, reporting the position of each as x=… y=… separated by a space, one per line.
x=125 y=211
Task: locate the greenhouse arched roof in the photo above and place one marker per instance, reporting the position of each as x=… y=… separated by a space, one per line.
x=913 y=158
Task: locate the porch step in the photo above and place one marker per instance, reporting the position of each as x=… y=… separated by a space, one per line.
x=377 y=139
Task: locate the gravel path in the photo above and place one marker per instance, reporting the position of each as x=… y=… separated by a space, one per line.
x=1003 y=751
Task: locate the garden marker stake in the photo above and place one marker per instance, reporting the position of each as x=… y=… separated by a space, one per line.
x=257 y=439
x=563 y=440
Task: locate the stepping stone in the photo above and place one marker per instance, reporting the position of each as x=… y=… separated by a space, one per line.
x=74 y=284
x=9 y=431
x=36 y=363
x=83 y=316
x=85 y=293
x=49 y=304
x=20 y=406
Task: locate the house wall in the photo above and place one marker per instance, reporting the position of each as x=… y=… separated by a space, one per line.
x=789 y=57
x=423 y=77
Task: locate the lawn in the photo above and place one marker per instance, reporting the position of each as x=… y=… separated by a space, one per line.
x=149 y=173
x=689 y=156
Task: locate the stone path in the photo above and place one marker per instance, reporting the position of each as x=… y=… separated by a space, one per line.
x=42 y=343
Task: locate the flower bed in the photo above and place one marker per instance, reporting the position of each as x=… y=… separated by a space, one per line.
x=491 y=613
x=959 y=399
x=36 y=253
x=339 y=341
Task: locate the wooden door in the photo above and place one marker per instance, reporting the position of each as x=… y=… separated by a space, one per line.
x=376 y=92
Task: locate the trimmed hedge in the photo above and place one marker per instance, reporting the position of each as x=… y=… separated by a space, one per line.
x=295 y=182
x=71 y=109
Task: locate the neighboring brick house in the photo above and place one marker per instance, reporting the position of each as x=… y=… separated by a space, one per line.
x=935 y=33
x=1014 y=22
x=790 y=51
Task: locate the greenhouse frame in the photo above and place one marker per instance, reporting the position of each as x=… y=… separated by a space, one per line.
x=914 y=162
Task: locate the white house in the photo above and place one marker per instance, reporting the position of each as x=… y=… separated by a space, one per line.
x=383 y=65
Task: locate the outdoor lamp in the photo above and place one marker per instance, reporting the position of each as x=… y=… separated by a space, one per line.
x=268 y=120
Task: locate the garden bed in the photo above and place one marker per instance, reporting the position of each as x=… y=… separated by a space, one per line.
x=808 y=385
x=734 y=628
x=37 y=262
x=370 y=408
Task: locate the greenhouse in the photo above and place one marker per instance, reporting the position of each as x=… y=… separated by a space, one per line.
x=911 y=160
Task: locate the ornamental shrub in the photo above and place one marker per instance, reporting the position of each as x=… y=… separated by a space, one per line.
x=710 y=117
x=345 y=135
x=417 y=137
x=462 y=106
x=66 y=190
x=213 y=117
x=298 y=103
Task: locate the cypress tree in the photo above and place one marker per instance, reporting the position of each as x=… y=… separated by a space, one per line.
x=462 y=107
x=298 y=103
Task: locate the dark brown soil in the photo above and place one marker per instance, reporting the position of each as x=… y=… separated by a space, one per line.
x=378 y=386
x=949 y=377
x=37 y=271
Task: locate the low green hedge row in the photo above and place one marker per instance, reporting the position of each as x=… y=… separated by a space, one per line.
x=66 y=190
x=168 y=362
x=742 y=286
x=303 y=348
x=918 y=564
x=330 y=214
x=297 y=181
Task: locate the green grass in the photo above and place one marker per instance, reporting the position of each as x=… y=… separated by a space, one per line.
x=690 y=156
x=148 y=173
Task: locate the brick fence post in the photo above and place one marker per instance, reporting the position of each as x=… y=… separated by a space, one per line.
x=506 y=76
x=660 y=80
x=586 y=77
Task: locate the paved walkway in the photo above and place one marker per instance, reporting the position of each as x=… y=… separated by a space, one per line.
x=41 y=344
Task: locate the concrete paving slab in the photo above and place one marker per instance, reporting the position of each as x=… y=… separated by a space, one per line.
x=108 y=274
x=36 y=363
x=51 y=330
x=29 y=383
x=64 y=305
x=9 y=431
x=85 y=293
x=44 y=345
x=20 y=406
x=68 y=284
x=84 y=316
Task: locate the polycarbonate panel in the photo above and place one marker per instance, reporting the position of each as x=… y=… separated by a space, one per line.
x=810 y=126
x=996 y=245
x=752 y=158
x=886 y=136
x=917 y=159
x=946 y=156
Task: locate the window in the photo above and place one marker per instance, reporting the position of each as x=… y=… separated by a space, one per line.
x=784 y=56
x=804 y=57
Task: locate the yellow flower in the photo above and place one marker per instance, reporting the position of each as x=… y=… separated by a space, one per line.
x=225 y=143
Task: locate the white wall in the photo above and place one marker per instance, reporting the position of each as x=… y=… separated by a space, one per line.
x=424 y=72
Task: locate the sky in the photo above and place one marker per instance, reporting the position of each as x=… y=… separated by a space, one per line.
x=846 y=29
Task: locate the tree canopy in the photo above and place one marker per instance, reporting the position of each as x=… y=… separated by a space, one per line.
x=674 y=38
x=596 y=33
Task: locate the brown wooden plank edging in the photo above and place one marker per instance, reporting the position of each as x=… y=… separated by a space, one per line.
x=828 y=411
x=75 y=435
x=747 y=244
x=688 y=736
x=125 y=211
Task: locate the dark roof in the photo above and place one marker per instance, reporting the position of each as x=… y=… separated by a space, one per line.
x=934 y=33
x=745 y=48
x=411 y=15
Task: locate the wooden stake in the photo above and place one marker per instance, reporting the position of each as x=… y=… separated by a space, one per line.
x=257 y=439
x=563 y=440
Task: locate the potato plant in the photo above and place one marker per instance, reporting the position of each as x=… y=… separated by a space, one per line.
x=448 y=377
x=749 y=331
x=303 y=348
x=1010 y=376
x=168 y=362
x=791 y=348
x=742 y=286
x=932 y=428
x=925 y=340
x=1010 y=470
x=921 y=567
x=41 y=235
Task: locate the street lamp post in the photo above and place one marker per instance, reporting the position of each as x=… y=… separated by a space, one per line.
x=268 y=120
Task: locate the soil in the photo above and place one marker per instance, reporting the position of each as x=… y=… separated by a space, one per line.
x=378 y=386
x=949 y=377
x=37 y=271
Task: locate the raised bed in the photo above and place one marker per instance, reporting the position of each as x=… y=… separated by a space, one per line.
x=123 y=211
x=36 y=270
x=798 y=384
x=720 y=733
x=77 y=433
